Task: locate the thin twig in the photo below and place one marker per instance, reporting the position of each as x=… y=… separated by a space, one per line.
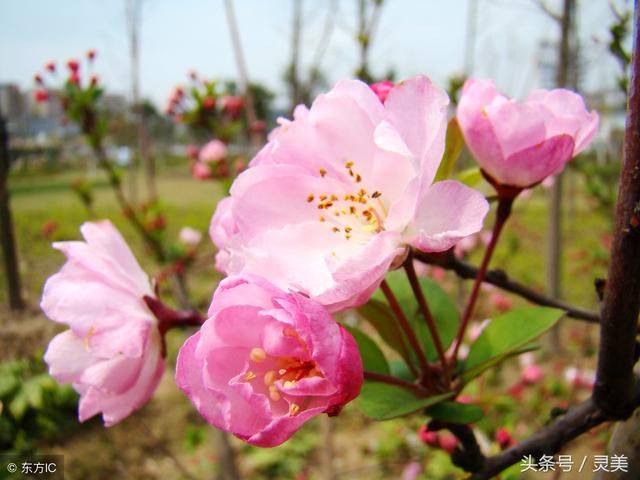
x=426 y=313
x=408 y=331
x=501 y=280
x=382 y=378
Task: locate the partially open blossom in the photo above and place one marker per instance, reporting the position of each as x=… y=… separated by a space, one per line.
x=532 y=374
x=382 y=89
x=339 y=194
x=190 y=236
x=213 y=152
x=221 y=231
x=267 y=361
x=519 y=144
x=74 y=78
x=112 y=351
x=200 y=171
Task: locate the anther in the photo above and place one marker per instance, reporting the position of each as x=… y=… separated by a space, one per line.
x=257 y=355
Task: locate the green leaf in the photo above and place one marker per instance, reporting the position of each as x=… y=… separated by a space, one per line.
x=470 y=176
x=382 y=318
x=382 y=401
x=8 y=384
x=372 y=357
x=453 y=147
x=399 y=369
x=33 y=391
x=455 y=412
x=506 y=334
x=18 y=405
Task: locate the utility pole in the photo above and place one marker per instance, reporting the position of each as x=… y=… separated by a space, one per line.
x=7 y=238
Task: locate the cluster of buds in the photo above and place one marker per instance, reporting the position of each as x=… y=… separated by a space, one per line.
x=203 y=105
x=78 y=98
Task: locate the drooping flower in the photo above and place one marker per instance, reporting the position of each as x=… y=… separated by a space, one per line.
x=112 y=351
x=340 y=192
x=519 y=144
x=213 y=152
x=267 y=361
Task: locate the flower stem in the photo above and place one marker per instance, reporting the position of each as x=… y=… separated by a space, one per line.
x=502 y=214
x=408 y=331
x=426 y=313
x=169 y=318
x=382 y=378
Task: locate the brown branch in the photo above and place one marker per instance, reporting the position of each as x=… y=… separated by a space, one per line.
x=500 y=279
x=550 y=439
x=613 y=390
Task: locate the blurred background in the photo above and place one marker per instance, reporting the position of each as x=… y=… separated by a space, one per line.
x=150 y=58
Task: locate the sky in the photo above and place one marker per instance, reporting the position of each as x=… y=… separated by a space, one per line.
x=414 y=36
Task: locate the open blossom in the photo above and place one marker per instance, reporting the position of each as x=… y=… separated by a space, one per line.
x=213 y=152
x=519 y=144
x=200 y=171
x=112 y=351
x=267 y=361
x=339 y=193
x=221 y=231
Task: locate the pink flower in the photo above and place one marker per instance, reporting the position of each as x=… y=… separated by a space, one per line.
x=267 y=361
x=520 y=144
x=213 y=152
x=190 y=236
x=382 y=89
x=448 y=442
x=429 y=437
x=200 y=171
x=504 y=438
x=112 y=352
x=339 y=194
x=192 y=152
x=532 y=374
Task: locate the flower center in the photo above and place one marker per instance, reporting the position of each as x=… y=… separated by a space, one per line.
x=357 y=213
x=280 y=373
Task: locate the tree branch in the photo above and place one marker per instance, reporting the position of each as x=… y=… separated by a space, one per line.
x=553 y=437
x=614 y=388
x=500 y=279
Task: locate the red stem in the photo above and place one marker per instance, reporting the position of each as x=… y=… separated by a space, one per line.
x=169 y=318
x=504 y=210
x=426 y=313
x=408 y=331
x=382 y=378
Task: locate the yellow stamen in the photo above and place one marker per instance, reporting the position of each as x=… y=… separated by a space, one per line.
x=249 y=375
x=323 y=172
x=289 y=384
x=274 y=394
x=269 y=377
x=294 y=409
x=257 y=355
x=310 y=198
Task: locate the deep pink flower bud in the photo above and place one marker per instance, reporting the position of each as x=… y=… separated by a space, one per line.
x=94 y=80
x=200 y=171
x=382 y=89
x=49 y=228
x=112 y=351
x=91 y=54
x=73 y=65
x=504 y=438
x=41 y=96
x=429 y=437
x=209 y=103
x=447 y=442
x=193 y=74
x=258 y=126
x=501 y=302
x=233 y=106
x=192 y=151
x=267 y=361
x=519 y=144
x=37 y=78
x=213 y=152
x=51 y=67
